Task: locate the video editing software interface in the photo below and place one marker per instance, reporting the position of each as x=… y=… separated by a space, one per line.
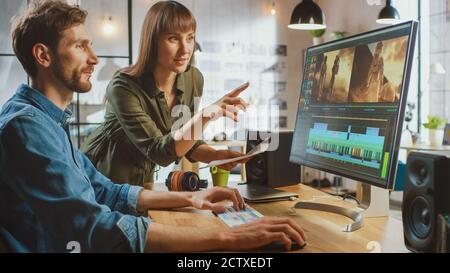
x=349 y=105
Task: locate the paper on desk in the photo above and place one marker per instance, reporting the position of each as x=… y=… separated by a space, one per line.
x=260 y=148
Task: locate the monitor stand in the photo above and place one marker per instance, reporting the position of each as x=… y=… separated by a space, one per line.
x=374 y=203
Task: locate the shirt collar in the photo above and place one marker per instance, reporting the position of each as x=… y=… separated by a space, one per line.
x=42 y=102
x=181 y=86
x=153 y=90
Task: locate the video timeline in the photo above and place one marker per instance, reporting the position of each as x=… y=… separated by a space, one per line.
x=347 y=141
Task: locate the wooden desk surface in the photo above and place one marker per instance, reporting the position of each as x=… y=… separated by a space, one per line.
x=323 y=229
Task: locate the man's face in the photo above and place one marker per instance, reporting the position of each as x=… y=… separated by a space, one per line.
x=74 y=61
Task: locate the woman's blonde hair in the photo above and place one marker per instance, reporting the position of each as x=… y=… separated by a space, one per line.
x=162 y=17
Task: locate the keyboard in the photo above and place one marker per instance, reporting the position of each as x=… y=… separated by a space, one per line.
x=233 y=218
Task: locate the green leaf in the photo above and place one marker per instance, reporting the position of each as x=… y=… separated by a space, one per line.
x=317 y=32
x=435 y=122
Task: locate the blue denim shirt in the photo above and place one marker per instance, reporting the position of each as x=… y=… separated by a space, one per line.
x=51 y=197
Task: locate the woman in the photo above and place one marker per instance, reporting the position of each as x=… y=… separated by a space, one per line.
x=136 y=135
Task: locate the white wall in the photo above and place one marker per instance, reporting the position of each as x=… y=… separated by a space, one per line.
x=352 y=16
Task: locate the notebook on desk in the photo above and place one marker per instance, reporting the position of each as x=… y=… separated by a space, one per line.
x=258 y=193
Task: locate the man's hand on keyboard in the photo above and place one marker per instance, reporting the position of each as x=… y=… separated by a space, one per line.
x=208 y=199
x=262 y=232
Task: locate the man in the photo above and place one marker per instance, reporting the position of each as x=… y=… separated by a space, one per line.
x=52 y=199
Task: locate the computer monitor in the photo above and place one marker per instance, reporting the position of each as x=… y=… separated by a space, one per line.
x=352 y=102
x=351 y=108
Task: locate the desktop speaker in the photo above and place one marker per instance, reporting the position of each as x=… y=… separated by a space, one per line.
x=426 y=195
x=271 y=168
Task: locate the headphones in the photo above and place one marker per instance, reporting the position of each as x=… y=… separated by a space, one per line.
x=185 y=181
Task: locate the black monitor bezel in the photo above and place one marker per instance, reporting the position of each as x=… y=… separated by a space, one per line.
x=400 y=114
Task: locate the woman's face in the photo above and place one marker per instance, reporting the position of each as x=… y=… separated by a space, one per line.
x=175 y=51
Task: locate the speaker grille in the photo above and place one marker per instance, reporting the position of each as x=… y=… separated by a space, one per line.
x=421 y=212
x=426 y=190
x=256 y=168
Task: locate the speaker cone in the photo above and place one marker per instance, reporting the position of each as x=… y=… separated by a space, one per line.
x=256 y=167
x=420 y=217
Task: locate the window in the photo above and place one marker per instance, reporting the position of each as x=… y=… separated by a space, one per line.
x=108 y=24
x=435 y=59
x=12 y=74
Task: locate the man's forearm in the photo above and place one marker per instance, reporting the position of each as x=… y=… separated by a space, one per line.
x=158 y=200
x=166 y=238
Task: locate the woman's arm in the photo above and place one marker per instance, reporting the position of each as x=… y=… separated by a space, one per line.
x=143 y=132
x=205 y=153
x=190 y=133
x=228 y=106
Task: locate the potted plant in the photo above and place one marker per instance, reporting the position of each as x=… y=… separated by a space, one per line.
x=338 y=34
x=435 y=126
x=317 y=36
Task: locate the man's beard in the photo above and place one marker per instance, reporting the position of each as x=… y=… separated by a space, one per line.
x=71 y=79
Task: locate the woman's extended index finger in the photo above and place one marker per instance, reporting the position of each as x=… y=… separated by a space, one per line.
x=238 y=90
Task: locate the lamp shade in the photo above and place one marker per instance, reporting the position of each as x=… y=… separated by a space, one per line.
x=307 y=15
x=388 y=15
x=437 y=68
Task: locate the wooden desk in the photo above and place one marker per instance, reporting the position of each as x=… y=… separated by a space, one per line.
x=322 y=229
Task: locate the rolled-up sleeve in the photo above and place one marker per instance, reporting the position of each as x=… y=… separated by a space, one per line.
x=198 y=92
x=68 y=206
x=189 y=154
x=119 y=197
x=139 y=127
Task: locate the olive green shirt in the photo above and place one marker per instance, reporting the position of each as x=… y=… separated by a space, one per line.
x=136 y=134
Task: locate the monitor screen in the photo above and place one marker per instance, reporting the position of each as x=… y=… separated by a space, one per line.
x=352 y=102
